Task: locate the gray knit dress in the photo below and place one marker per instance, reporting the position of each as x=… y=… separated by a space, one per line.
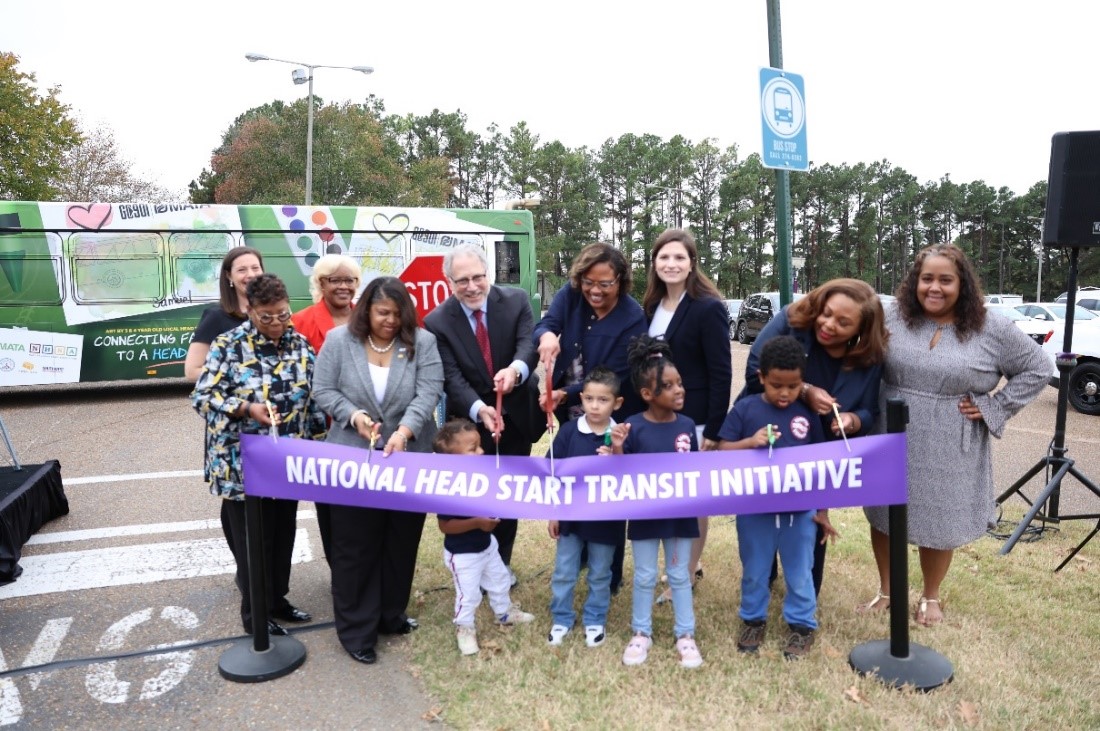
x=951 y=500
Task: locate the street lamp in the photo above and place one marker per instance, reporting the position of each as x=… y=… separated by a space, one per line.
x=301 y=76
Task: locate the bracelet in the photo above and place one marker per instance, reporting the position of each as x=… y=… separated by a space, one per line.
x=404 y=439
x=805 y=388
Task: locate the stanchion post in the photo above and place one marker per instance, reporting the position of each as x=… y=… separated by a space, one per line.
x=896 y=661
x=263 y=657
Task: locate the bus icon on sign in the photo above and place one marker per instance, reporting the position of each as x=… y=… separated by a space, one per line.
x=784 y=105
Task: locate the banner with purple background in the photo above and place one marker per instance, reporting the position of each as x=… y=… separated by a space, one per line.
x=665 y=485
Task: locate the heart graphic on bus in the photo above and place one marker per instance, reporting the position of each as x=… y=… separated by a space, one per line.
x=91 y=217
x=390 y=228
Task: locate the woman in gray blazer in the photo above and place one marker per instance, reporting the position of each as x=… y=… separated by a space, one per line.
x=378 y=376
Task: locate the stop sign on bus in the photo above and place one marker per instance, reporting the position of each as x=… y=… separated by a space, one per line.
x=425 y=281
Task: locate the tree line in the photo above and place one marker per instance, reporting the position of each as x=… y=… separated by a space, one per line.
x=865 y=220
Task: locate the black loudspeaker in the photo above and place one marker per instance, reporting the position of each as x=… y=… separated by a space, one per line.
x=1073 y=190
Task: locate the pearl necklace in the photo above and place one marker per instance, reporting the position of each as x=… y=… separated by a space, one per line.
x=376 y=349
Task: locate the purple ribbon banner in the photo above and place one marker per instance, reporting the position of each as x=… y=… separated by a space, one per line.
x=633 y=486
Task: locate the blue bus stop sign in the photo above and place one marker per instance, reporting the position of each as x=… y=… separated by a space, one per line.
x=783 y=117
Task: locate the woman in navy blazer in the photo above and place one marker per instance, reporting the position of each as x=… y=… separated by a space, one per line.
x=378 y=375
x=684 y=308
x=590 y=323
x=842 y=328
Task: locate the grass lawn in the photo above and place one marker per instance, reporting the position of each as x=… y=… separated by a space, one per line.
x=1023 y=641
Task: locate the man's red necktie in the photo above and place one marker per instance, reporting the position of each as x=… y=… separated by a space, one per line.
x=482 y=335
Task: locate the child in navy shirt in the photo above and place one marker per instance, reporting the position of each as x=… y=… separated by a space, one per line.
x=583 y=437
x=471 y=552
x=777 y=418
x=659 y=429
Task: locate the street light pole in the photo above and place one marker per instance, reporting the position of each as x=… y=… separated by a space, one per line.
x=309 y=141
x=300 y=77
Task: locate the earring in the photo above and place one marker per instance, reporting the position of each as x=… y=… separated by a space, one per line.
x=231 y=285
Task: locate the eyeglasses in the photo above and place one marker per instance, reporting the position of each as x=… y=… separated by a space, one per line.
x=605 y=285
x=477 y=280
x=341 y=281
x=266 y=319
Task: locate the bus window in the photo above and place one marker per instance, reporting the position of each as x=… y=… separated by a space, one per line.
x=26 y=278
x=196 y=259
x=508 y=262
x=116 y=267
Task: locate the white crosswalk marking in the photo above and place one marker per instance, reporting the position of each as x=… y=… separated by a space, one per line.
x=140 y=564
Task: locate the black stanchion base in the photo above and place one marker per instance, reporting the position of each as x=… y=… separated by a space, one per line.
x=924 y=669
x=241 y=663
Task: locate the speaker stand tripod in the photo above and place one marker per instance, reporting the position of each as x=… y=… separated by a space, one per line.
x=1056 y=460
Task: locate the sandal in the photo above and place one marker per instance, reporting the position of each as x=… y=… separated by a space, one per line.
x=872 y=607
x=921 y=615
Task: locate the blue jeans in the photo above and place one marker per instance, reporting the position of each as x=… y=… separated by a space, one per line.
x=567 y=568
x=677 y=558
x=792 y=535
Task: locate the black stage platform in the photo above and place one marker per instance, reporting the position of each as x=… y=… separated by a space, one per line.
x=29 y=498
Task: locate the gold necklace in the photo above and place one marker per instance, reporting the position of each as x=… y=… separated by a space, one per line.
x=376 y=349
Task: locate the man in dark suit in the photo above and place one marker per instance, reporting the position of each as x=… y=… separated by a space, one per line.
x=476 y=365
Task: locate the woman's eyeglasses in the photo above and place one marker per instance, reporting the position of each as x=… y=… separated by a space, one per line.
x=605 y=285
x=266 y=319
x=341 y=281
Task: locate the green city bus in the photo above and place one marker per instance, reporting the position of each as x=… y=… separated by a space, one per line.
x=113 y=291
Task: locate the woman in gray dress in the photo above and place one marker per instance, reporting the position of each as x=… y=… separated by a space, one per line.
x=945 y=358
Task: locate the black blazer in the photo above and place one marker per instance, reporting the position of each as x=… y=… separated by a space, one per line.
x=699 y=337
x=466 y=379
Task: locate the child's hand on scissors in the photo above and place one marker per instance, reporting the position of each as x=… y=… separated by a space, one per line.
x=764 y=435
x=619 y=433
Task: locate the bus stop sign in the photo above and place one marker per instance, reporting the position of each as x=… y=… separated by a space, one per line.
x=424 y=279
x=783 y=118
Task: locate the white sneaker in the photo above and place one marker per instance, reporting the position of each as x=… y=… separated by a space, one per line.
x=467 y=641
x=515 y=616
x=557 y=634
x=594 y=635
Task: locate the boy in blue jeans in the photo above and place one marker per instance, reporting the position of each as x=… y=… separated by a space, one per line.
x=585 y=437
x=777 y=416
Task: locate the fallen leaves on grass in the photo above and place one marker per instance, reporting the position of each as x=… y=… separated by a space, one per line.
x=969 y=713
x=855 y=696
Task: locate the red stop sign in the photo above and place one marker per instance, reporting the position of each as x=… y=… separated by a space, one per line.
x=425 y=281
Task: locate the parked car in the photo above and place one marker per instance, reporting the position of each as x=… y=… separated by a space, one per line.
x=1056 y=312
x=1084 y=379
x=1004 y=299
x=1037 y=330
x=1082 y=293
x=756 y=311
x=733 y=307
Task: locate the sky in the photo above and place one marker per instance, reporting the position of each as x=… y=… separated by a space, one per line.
x=972 y=89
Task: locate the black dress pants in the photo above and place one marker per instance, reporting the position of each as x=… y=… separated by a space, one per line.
x=280 y=521
x=373 y=560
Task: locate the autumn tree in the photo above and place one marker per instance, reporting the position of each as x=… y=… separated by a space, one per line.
x=35 y=133
x=95 y=170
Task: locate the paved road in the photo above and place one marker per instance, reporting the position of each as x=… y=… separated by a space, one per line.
x=140 y=563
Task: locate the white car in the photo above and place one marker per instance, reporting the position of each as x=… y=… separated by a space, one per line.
x=1084 y=379
x=1004 y=299
x=1055 y=312
x=1037 y=330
